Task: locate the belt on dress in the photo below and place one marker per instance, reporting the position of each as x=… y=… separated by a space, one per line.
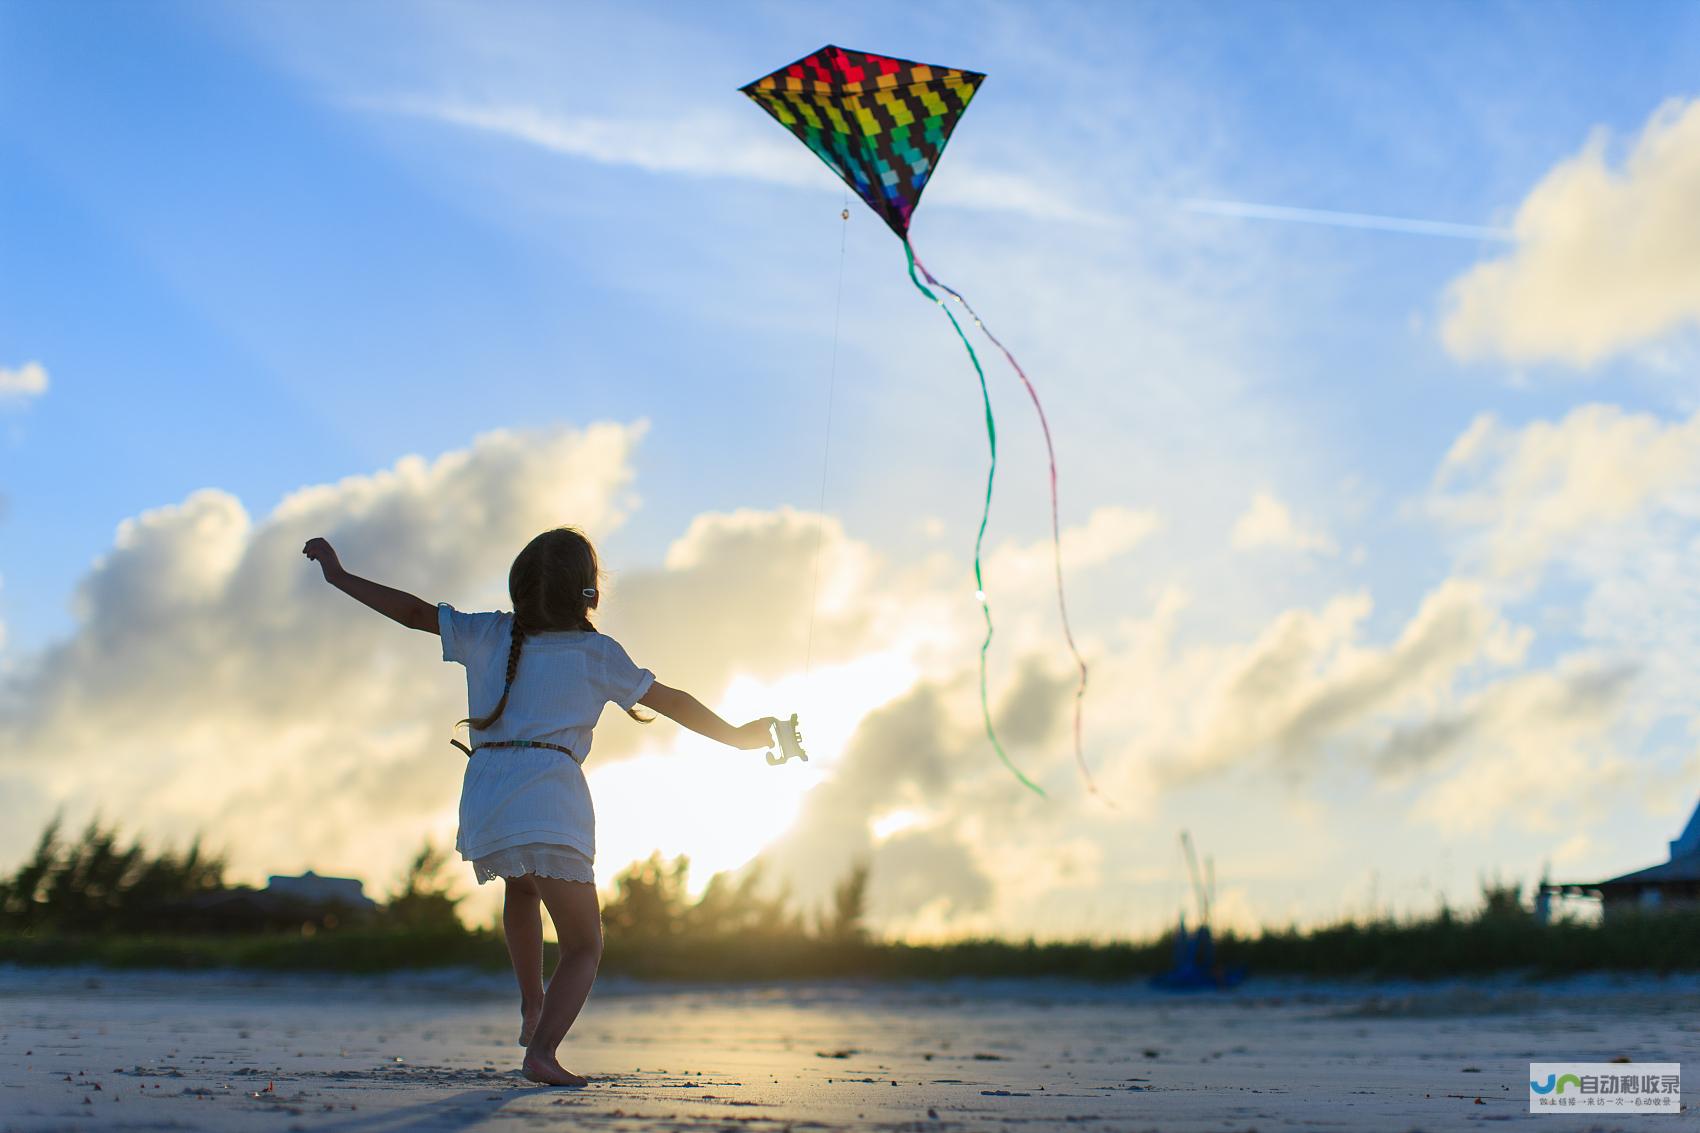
x=514 y=743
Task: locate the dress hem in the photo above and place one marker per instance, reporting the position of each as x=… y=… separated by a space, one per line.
x=526 y=837
x=542 y=859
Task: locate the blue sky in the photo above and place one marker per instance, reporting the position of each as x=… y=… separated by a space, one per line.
x=253 y=283
x=260 y=247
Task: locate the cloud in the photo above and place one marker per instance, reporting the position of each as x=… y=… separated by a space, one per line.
x=1305 y=683
x=1549 y=488
x=1269 y=523
x=737 y=595
x=213 y=679
x=1528 y=712
x=1249 y=210
x=1604 y=259
x=712 y=144
x=1531 y=751
x=926 y=873
x=212 y=682
x=1108 y=533
x=1597 y=516
x=923 y=756
x=23 y=384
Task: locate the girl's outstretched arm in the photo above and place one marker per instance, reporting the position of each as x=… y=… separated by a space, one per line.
x=681 y=706
x=399 y=605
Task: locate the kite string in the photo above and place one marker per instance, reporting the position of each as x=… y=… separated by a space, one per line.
x=985 y=517
x=1056 y=527
x=826 y=446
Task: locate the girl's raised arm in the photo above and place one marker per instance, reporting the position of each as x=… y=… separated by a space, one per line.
x=685 y=709
x=397 y=605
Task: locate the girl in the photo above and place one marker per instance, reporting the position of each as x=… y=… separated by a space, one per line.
x=542 y=675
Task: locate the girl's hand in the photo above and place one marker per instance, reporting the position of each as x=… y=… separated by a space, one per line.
x=324 y=554
x=756 y=734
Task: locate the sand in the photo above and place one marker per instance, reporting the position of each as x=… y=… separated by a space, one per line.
x=83 y=1049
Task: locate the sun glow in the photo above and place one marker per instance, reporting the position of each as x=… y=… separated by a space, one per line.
x=720 y=807
x=896 y=822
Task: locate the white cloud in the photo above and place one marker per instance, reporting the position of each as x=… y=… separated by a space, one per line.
x=1306 y=683
x=213 y=679
x=22 y=384
x=1109 y=533
x=213 y=682
x=1251 y=210
x=715 y=144
x=1530 y=751
x=1269 y=523
x=1525 y=495
x=1605 y=257
x=1595 y=516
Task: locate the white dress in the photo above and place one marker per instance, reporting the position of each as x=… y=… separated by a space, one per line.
x=528 y=810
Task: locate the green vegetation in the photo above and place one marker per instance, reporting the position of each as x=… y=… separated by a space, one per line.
x=94 y=886
x=93 y=902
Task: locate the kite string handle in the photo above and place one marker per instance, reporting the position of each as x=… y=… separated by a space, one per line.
x=1056 y=524
x=985 y=517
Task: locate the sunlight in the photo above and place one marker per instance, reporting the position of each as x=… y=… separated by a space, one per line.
x=720 y=807
x=716 y=806
x=896 y=822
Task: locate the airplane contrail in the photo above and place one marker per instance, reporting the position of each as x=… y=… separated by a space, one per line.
x=1250 y=211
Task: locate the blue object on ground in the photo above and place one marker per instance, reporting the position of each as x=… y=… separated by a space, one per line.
x=1195 y=967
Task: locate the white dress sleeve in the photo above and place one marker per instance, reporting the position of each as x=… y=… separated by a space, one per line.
x=465 y=636
x=622 y=681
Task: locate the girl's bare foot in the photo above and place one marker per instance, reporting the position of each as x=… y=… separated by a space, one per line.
x=528 y=1015
x=544 y=1069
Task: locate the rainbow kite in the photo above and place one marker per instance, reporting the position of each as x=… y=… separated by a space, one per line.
x=882 y=124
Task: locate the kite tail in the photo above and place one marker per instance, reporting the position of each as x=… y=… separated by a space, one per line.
x=1056 y=529
x=985 y=517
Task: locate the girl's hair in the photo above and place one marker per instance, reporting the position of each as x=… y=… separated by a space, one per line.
x=551 y=583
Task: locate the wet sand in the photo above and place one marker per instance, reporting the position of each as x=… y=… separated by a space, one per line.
x=83 y=1049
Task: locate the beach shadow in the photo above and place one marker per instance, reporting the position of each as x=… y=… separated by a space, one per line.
x=455 y=1111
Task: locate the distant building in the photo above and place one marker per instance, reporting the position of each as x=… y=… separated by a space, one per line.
x=305 y=903
x=316 y=890
x=1674 y=884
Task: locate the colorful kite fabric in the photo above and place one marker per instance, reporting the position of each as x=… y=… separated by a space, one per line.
x=879 y=123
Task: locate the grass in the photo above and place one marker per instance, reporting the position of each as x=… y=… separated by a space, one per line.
x=1435 y=947
x=94 y=901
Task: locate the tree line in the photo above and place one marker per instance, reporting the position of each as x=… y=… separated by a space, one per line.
x=99 y=899
x=99 y=883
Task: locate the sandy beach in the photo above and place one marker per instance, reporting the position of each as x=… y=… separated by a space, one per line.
x=85 y=1049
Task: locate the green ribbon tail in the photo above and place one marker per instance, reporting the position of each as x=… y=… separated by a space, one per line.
x=985 y=518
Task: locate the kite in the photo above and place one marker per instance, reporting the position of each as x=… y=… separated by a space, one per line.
x=882 y=124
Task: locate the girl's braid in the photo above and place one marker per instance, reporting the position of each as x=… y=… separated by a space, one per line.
x=517 y=641
x=518 y=631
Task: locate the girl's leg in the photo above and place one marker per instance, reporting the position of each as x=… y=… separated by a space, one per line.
x=522 y=927
x=578 y=926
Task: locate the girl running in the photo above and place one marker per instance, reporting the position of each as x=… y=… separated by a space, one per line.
x=542 y=675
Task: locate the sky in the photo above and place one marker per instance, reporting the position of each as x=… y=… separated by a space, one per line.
x=1368 y=336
